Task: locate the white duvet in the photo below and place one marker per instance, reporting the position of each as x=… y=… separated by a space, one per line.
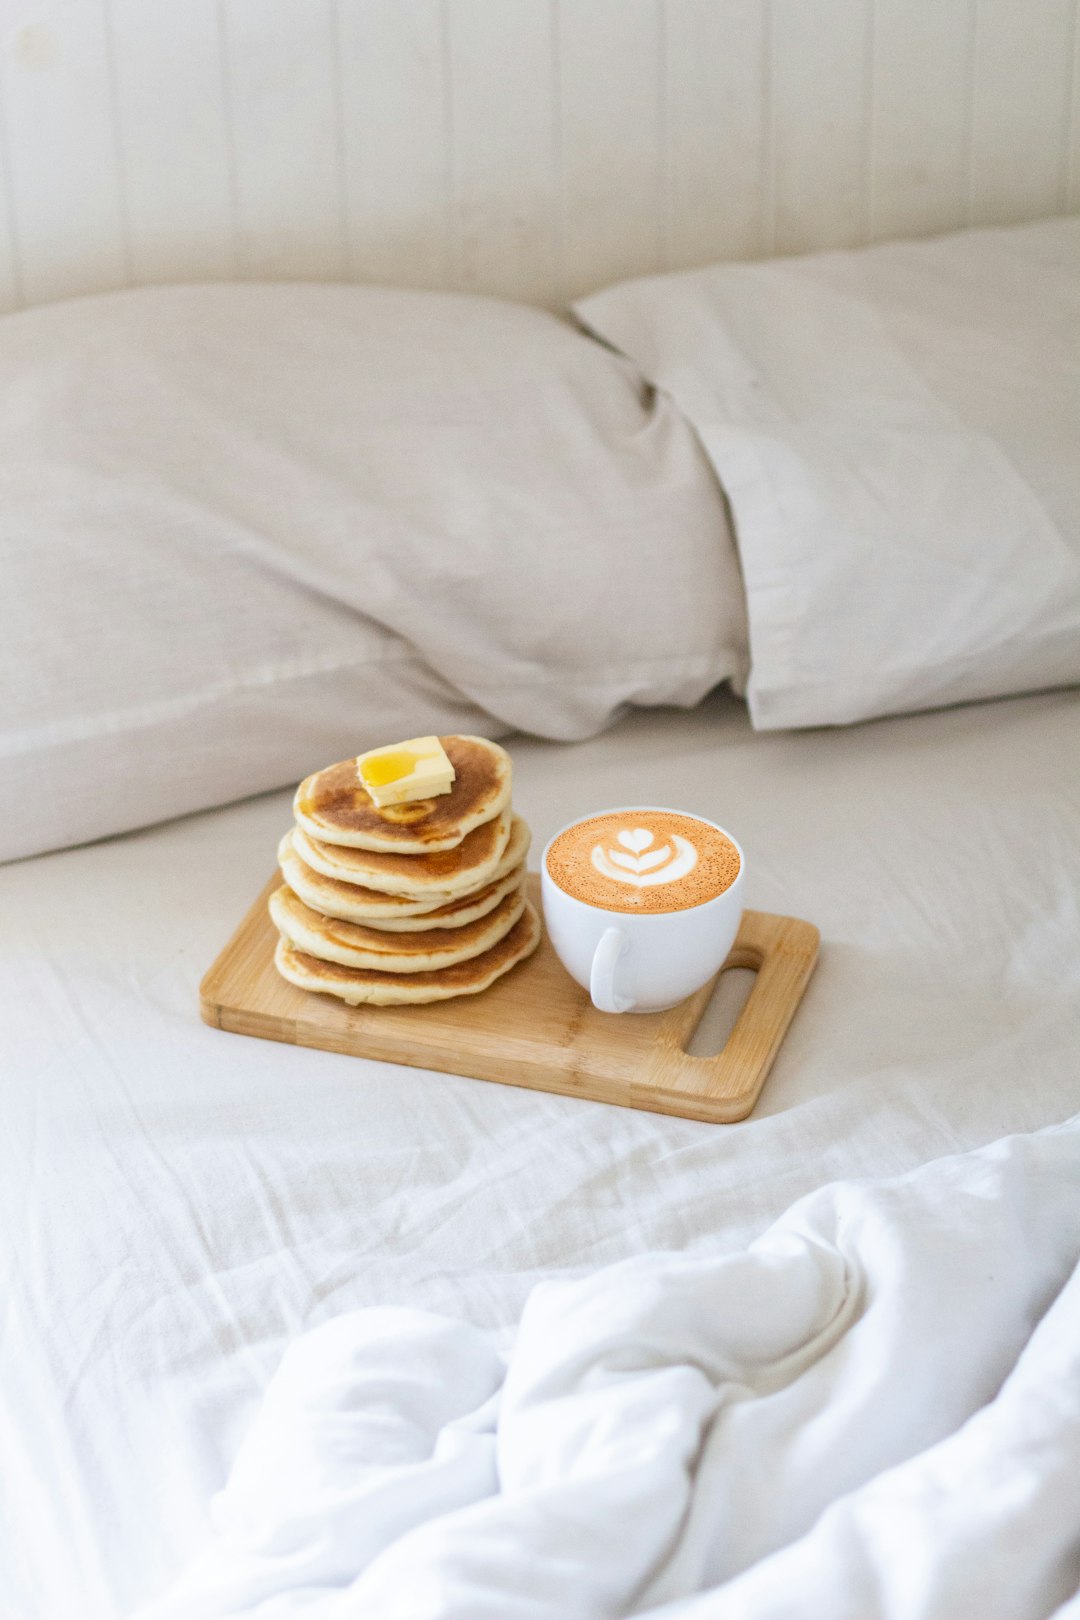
x=851 y=1418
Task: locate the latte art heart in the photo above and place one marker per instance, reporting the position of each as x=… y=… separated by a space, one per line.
x=667 y=864
x=637 y=840
x=642 y=861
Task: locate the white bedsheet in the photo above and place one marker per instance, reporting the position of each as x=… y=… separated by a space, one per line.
x=846 y=1420
x=177 y=1205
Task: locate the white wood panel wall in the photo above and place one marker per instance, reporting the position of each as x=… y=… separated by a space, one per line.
x=531 y=148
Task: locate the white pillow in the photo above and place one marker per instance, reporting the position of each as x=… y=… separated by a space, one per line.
x=898 y=432
x=246 y=530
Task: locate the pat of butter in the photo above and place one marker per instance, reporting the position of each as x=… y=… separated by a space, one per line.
x=417 y=769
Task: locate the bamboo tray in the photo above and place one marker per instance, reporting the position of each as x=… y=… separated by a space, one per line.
x=536 y=1027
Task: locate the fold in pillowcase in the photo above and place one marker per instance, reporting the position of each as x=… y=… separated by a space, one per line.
x=897 y=432
x=248 y=529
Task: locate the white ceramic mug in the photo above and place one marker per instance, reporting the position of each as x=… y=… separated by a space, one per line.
x=641 y=961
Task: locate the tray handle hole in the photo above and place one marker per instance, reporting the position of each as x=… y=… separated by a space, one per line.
x=718 y=1020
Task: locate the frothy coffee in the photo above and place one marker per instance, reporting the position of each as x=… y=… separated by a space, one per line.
x=643 y=861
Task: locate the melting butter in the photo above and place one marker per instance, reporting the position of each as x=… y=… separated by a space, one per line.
x=382 y=769
x=401 y=772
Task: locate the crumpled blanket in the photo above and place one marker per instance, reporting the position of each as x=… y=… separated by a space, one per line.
x=874 y=1411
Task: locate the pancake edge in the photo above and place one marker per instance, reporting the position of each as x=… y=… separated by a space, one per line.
x=404 y=887
x=391 y=997
x=389 y=961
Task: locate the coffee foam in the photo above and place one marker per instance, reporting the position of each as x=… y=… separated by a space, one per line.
x=643 y=861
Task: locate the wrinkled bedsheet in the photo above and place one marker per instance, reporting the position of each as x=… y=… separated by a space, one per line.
x=850 y=1419
x=178 y=1205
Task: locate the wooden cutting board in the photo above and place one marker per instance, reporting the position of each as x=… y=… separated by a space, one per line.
x=536 y=1027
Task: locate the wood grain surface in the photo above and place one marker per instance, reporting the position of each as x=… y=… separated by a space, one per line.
x=536 y=1027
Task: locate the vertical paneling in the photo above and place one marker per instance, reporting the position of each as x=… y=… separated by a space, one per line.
x=611 y=78
x=174 y=139
x=716 y=128
x=921 y=101
x=1072 y=129
x=505 y=220
x=821 y=122
x=1023 y=70
x=397 y=151
x=61 y=142
x=531 y=148
x=283 y=102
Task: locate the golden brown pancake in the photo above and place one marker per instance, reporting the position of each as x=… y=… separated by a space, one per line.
x=454 y=914
x=352 y=902
x=334 y=808
x=448 y=873
x=353 y=945
x=356 y=985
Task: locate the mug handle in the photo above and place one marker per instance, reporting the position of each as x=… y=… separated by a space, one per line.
x=605 y=997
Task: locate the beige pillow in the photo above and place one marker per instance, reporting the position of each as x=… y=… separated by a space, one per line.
x=246 y=530
x=897 y=429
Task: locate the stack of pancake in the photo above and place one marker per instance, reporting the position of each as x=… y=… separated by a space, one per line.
x=416 y=902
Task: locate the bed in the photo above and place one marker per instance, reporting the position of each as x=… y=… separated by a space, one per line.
x=577 y=375
x=182 y=1203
